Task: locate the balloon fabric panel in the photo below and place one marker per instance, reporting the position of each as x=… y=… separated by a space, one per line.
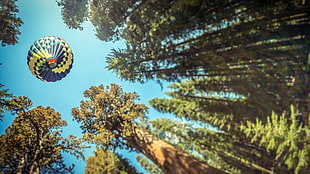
x=50 y=58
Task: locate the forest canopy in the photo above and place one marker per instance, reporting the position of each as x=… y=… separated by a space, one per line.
x=237 y=66
x=237 y=74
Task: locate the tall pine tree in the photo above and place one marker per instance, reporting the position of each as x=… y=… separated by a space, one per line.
x=109 y=118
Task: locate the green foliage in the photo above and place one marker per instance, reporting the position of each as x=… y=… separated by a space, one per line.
x=19 y=104
x=222 y=150
x=74 y=13
x=109 y=116
x=149 y=166
x=234 y=61
x=5 y=102
x=203 y=100
x=256 y=50
x=181 y=39
x=286 y=137
x=107 y=162
x=231 y=149
x=109 y=17
x=34 y=144
x=9 y=22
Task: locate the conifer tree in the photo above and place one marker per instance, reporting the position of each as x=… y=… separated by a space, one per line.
x=9 y=22
x=108 y=162
x=277 y=145
x=5 y=102
x=74 y=13
x=110 y=118
x=286 y=137
x=33 y=143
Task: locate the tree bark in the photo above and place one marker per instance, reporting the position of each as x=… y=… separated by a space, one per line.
x=170 y=159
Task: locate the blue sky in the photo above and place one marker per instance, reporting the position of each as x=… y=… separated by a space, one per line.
x=43 y=18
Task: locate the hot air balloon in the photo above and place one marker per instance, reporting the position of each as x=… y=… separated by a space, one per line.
x=50 y=58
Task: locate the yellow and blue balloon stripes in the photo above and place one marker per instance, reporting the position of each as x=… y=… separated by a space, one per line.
x=50 y=58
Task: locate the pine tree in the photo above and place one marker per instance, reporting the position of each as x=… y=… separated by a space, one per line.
x=277 y=145
x=219 y=102
x=110 y=118
x=286 y=137
x=9 y=22
x=33 y=143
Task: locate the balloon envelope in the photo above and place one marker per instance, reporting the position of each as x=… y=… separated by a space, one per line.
x=50 y=58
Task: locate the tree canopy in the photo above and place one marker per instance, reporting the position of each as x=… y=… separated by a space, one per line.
x=252 y=48
x=257 y=50
x=110 y=118
x=108 y=162
x=74 y=13
x=33 y=143
x=237 y=66
x=9 y=22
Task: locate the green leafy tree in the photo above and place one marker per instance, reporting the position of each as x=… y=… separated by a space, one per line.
x=33 y=143
x=108 y=162
x=110 y=118
x=9 y=22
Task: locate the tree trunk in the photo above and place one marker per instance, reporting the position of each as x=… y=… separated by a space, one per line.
x=170 y=159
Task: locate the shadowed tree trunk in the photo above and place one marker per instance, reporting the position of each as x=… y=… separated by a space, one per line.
x=170 y=159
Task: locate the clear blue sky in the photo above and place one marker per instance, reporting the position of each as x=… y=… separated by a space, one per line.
x=43 y=18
